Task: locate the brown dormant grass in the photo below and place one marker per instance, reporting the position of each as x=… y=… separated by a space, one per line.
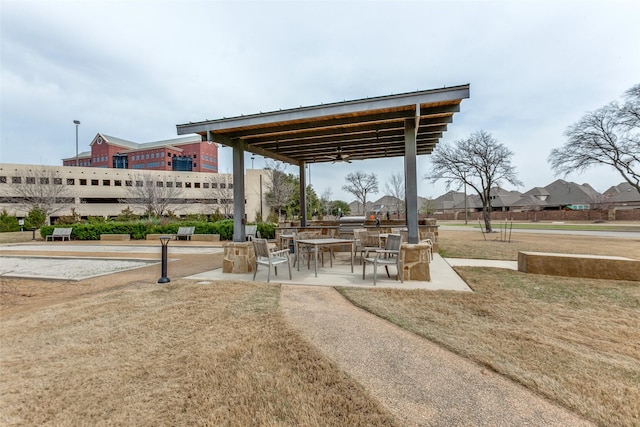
x=123 y=350
x=470 y=244
x=575 y=341
x=182 y=354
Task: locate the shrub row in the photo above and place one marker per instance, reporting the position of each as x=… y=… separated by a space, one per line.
x=139 y=230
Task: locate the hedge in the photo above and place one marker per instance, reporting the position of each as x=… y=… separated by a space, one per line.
x=138 y=230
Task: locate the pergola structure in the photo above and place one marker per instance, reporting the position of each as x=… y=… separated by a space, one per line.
x=408 y=124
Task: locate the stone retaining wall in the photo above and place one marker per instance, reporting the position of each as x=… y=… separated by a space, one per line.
x=115 y=237
x=194 y=237
x=573 y=265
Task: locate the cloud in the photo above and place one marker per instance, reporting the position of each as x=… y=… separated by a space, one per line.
x=135 y=69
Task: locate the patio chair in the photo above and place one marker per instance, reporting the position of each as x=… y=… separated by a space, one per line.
x=269 y=258
x=369 y=242
x=390 y=255
x=305 y=250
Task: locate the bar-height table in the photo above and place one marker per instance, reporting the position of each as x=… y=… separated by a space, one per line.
x=316 y=243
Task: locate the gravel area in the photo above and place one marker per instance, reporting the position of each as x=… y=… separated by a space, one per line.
x=61 y=268
x=418 y=381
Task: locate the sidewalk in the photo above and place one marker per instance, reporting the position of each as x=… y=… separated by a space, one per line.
x=415 y=379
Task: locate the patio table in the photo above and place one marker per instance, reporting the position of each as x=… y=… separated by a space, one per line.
x=316 y=243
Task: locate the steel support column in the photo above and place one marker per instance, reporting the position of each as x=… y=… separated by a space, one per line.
x=410 y=179
x=303 y=194
x=238 y=193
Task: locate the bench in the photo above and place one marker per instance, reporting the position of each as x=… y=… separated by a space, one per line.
x=185 y=232
x=62 y=233
x=250 y=232
x=576 y=265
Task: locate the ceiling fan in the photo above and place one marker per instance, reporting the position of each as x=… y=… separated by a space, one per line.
x=340 y=157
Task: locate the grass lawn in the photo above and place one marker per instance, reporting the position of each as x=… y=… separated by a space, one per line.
x=223 y=354
x=182 y=354
x=575 y=341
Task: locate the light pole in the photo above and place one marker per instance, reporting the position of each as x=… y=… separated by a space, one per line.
x=164 y=241
x=77 y=123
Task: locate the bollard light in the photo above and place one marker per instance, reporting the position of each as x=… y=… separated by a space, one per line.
x=164 y=240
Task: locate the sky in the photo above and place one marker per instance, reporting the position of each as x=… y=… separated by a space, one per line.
x=135 y=69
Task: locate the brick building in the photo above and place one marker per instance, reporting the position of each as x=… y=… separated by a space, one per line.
x=186 y=154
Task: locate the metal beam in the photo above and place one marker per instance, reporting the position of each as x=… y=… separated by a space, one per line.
x=410 y=179
x=238 y=193
x=303 y=195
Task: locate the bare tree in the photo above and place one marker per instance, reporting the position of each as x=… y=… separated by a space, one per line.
x=608 y=136
x=280 y=189
x=221 y=190
x=152 y=193
x=480 y=161
x=395 y=187
x=326 y=202
x=40 y=188
x=360 y=185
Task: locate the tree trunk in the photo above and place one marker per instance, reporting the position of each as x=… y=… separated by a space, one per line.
x=486 y=214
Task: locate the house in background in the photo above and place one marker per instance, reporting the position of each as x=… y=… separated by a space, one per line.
x=388 y=207
x=622 y=196
x=449 y=201
x=569 y=195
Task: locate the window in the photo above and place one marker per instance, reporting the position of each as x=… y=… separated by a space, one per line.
x=168 y=163
x=223 y=185
x=71 y=181
x=196 y=185
x=16 y=180
x=44 y=181
x=117 y=183
x=214 y=185
x=159 y=184
x=230 y=186
x=138 y=183
x=128 y=183
x=178 y=185
x=205 y=185
x=95 y=182
x=31 y=180
x=3 y=179
x=83 y=181
x=106 y=182
x=57 y=181
x=187 y=185
x=169 y=184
